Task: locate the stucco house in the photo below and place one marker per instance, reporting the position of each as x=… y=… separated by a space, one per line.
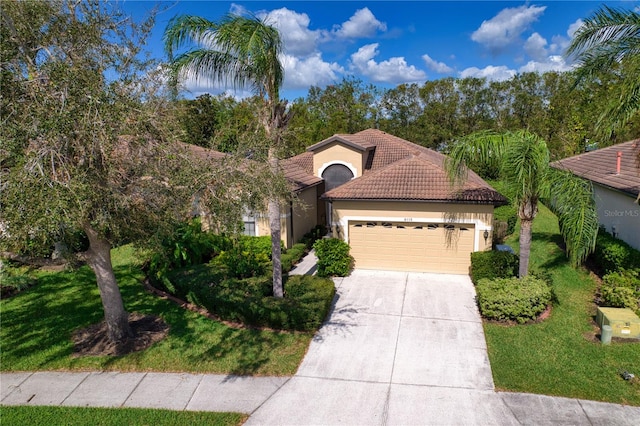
x=391 y=200
x=615 y=174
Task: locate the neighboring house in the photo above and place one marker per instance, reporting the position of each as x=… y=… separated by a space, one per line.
x=391 y=200
x=615 y=173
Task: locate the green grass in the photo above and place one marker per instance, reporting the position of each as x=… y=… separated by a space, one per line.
x=50 y=416
x=37 y=326
x=557 y=356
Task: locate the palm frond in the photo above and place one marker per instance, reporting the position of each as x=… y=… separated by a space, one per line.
x=571 y=199
x=480 y=148
x=614 y=28
x=186 y=29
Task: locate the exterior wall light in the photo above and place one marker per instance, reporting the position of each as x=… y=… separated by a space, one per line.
x=486 y=236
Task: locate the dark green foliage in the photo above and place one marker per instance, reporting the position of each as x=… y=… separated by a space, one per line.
x=312 y=236
x=292 y=256
x=612 y=254
x=249 y=301
x=622 y=289
x=513 y=299
x=333 y=257
x=507 y=214
x=14 y=280
x=239 y=262
x=493 y=264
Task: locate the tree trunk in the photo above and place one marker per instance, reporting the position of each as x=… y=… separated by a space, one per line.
x=525 y=246
x=527 y=212
x=99 y=259
x=276 y=235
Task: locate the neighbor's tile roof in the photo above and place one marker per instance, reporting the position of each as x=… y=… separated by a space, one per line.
x=397 y=169
x=600 y=166
x=298 y=172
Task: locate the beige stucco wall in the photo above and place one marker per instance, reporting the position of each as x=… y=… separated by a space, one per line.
x=304 y=217
x=619 y=210
x=481 y=216
x=304 y=213
x=336 y=153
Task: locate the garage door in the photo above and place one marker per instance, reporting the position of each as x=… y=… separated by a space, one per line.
x=420 y=247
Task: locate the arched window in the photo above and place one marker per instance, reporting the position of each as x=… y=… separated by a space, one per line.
x=335 y=175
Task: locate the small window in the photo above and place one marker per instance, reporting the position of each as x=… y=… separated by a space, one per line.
x=358 y=225
x=432 y=226
x=449 y=227
x=250 y=228
x=464 y=229
x=371 y=224
x=387 y=224
x=400 y=227
x=417 y=227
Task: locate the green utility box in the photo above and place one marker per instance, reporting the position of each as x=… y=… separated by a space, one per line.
x=624 y=322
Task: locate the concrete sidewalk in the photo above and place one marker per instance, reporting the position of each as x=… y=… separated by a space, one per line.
x=398 y=349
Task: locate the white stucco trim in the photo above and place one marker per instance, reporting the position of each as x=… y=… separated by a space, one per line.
x=479 y=226
x=322 y=168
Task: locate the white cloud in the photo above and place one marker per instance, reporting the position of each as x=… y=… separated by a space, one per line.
x=439 y=67
x=310 y=71
x=552 y=63
x=298 y=39
x=394 y=70
x=362 y=24
x=574 y=27
x=506 y=27
x=490 y=72
x=535 y=47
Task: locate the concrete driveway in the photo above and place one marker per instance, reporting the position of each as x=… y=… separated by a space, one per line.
x=399 y=348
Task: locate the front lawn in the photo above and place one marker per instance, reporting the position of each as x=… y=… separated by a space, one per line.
x=559 y=356
x=46 y=416
x=37 y=326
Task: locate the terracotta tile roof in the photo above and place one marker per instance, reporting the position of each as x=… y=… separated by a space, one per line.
x=204 y=153
x=298 y=172
x=415 y=178
x=397 y=169
x=600 y=166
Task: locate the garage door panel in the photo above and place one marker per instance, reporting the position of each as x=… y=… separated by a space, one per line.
x=418 y=247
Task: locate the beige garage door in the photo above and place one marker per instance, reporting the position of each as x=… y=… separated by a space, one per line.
x=420 y=247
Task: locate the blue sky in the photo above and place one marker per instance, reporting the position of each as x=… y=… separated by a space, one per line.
x=387 y=43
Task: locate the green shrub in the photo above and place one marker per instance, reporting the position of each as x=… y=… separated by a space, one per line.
x=612 y=254
x=507 y=214
x=241 y=263
x=14 y=280
x=312 y=236
x=256 y=245
x=622 y=289
x=513 y=299
x=188 y=245
x=493 y=264
x=292 y=256
x=249 y=301
x=333 y=257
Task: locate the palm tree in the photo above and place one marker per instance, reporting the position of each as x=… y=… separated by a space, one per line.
x=606 y=40
x=522 y=160
x=241 y=51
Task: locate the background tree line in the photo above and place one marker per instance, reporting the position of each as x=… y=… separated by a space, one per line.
x=433 y=114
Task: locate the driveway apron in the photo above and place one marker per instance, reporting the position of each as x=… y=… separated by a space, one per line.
x=398 y=348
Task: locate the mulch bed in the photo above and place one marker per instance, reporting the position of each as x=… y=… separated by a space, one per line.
x=93 y=340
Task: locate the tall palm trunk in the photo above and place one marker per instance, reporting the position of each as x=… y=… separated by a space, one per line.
x=527 y=212
x=525 y=246
x=99 y=259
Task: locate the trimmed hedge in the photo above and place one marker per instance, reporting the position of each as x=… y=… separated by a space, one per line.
x=493 y=264
x=305 y=306
x=513 y=299
x=622 y=290
x=333 y=257
x=612 y=254
x=292 y=256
